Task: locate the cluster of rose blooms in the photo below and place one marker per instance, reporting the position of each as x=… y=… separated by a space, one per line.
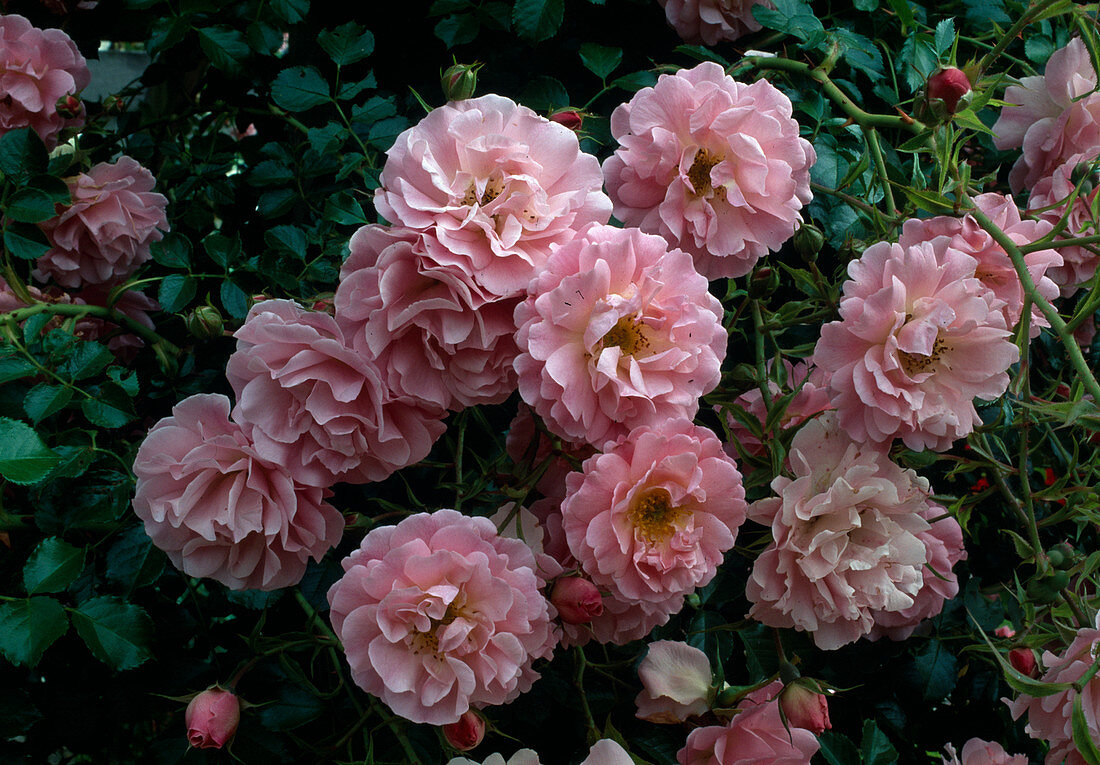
x=104 y=234
x=498 y=272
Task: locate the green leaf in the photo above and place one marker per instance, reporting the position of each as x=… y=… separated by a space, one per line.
x=300 y=88
x=272 y=204
x=838 y=749
x=945 y=35
x=544 y=93
x=876 y=748
x=17 y=712
x=936 y=670
x=264 y=38
x=86 y=359
x=56 y=188
x=45 y=399
x=29 y=627
x=222 y=250
x=30 y=206
x=289 y=239
x=457 y=29
x=601 y=60
x=903 y=11
x=110 y=407
x=128 y=382
x=1083 y=737
x=175 y=292
x=537 y=20
x=22 y=153
x=328 y=139
x=793 y=17
x=295 y=707
x=224 y=47
x=234 y=300
x=344 y=209
x=117 y=633
x=13 y=368
x=24 y=459
x=868 y=6
x=53 y=566
x=347 y=43
x=25 y=241
x=291 y=11
x=173 y=251
x=133 y=560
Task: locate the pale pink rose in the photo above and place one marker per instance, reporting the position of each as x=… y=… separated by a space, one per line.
x=433 y=333
x=314 y=405
x=712 y=21
x=105 y=234
x=1051 y=117
x=651 y=518
x=755 y=735
x=1079 y=263
x=617 y=332
x=529 y=446
x=439 y=614
x=38 y=67
x=811 y=396
x=603 y=752
x=943 y=542
x=212 y=718
x=713 y=165
x=994 y=268
x=848 y=534
x=220 y=510
x=496 y=185
x=919 y=338
x=676 y=683
x=979 y=752
x=1050 y=717
x=621 y=621
x=522 y=757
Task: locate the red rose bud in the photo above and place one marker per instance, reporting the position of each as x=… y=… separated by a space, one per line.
x=69 y=106
x=212 y=718
x=571 y=118
x=947 y=92
x=1023 y=661
x=577 y=600
x=459 y=81
x=467 y=733
x=114 y=105
x=804 y=707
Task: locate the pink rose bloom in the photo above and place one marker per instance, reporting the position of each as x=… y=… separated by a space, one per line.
x=212 y=718
x=919 y=338
x=603 y=752
x=811 y=397
x=676 y=683
x=713 y=165
x=218 y=509
x=617 y=332
x=1051 y=117
x=848 y=534
x=943 y=542
x=496 y=185
x=313 y=404
x=755 y=735
x=621 y=621
x=38 y=67
x=434 y=334
x=710 y=22
x=1049 y=717
x=105 y=234
x=979 y=752
x=650 y=519
x=994 y=268
x=1053 y=190
x=439 y=613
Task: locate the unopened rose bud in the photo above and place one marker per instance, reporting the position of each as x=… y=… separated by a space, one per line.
x=1023 y=661
x=324 y=303
x=1004 y=631
x=577 y=600
x=69 y=106
x=808 y=241
x=459 y=81
x=1061 y=556
x=804 y=707
x=114 y=105
x=763 y=283
x=467 y=733
x=205 y=322
x=212 y=718
x=947 y=92
x=571 y=118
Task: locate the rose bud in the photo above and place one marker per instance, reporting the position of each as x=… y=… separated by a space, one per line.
x=763 y=283
x=1023 y=661
x=947 y=92
x=212 y=718
x=205 y=322
x=676 y=683
x=69 y=107
x=467 y=733
x=804 y=707
x=808 y=241
x=571 y=118
x=577 y=600
x=459 y=81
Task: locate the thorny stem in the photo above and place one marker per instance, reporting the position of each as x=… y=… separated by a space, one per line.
x=578 y=682
x=1027 y=521
x=761 y=368
x=880 y=166
x=70 y=309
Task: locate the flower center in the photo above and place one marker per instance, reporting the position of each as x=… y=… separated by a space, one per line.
x=428 y=642
x=699 y=173
x=627 y=335
x=654 y=515
x=493 y=188
x=916 y=363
